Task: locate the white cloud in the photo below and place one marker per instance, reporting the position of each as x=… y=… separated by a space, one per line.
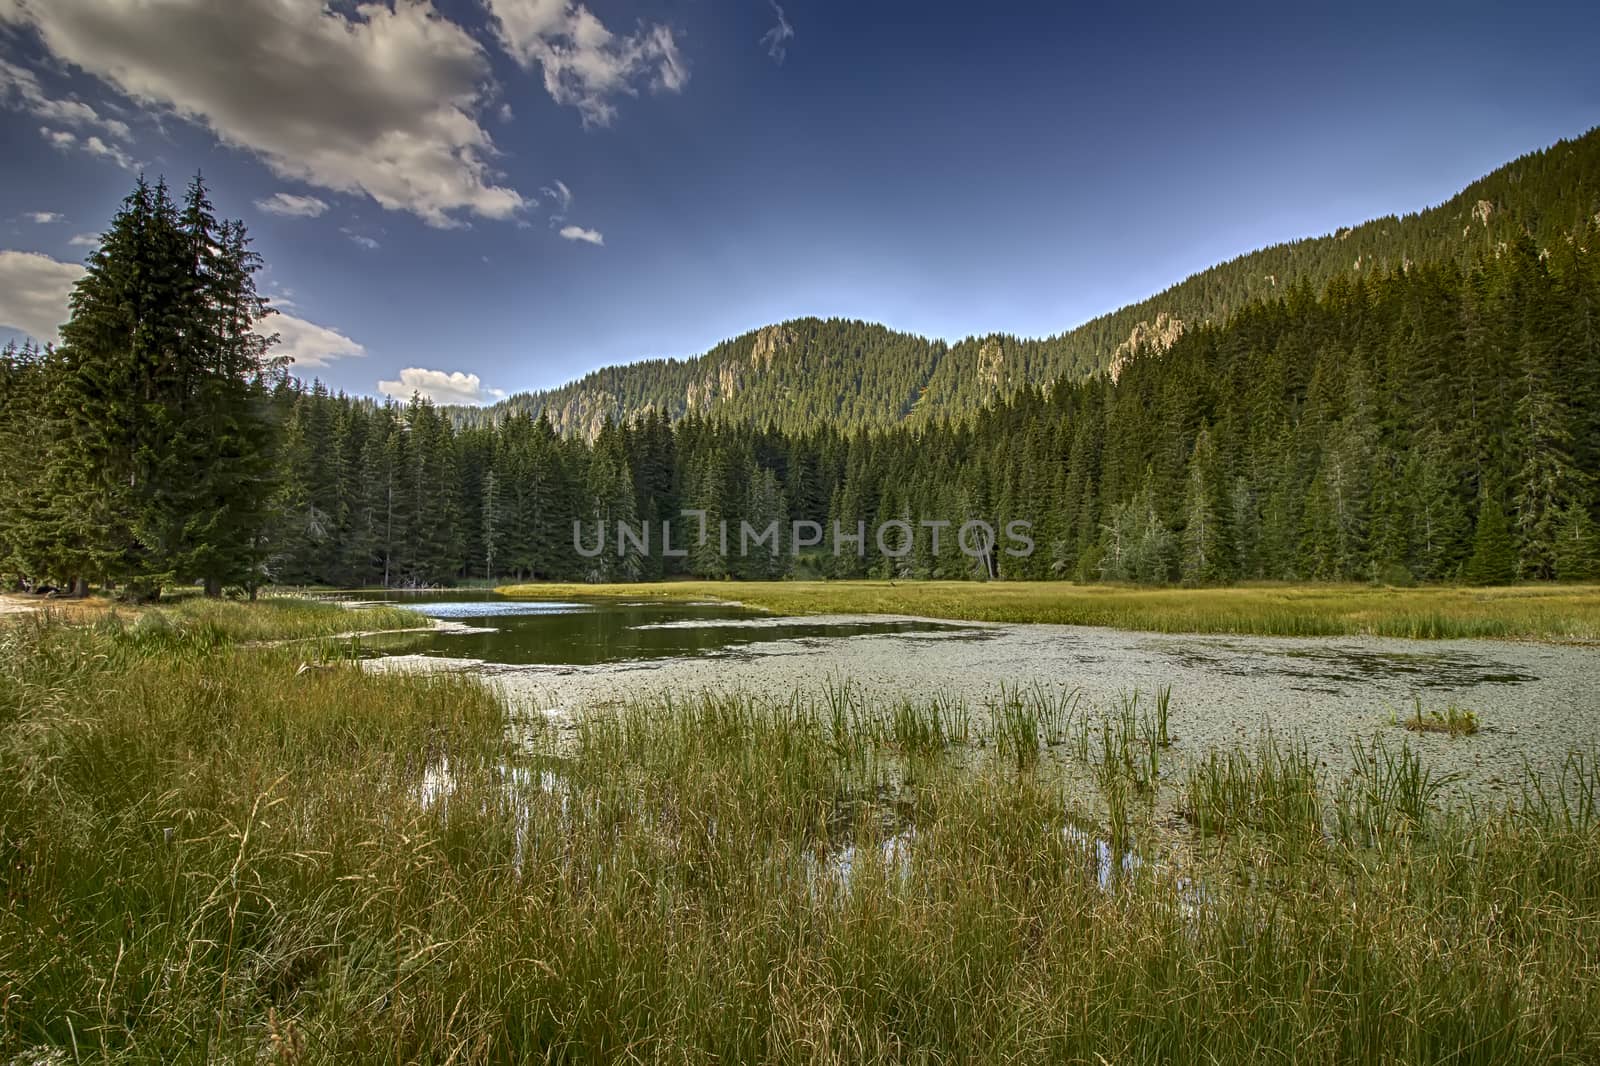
x=93 y=144
x=34 y=290
x=85 y=240
x=44 y=218
x=20 y=89
x=33 y=293
x=290 y=205
x=307 y=343
x=585 y=65
x=440 y=387
x=559 y=195
x=356 y=236
x=777 y=39
x=383 y=102
x=578 y=233
x=560 y=198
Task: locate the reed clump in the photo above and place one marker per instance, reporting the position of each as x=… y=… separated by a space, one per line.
x=1453 y=721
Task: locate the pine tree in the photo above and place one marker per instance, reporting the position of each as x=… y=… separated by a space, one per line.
x=1547 y=483
x=1494 y=556
x=1203 y=535
x=1577 y=546
x=25 y=506
x=610 y=491
x=765 y=509
x=1438 y=518
x=159 y=466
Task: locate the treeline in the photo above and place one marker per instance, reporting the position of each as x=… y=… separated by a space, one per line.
x=854 y=374
x=1435 y=424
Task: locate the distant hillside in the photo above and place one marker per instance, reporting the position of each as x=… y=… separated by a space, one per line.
x=853 y=374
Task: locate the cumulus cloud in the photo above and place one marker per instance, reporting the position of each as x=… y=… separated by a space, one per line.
x=306 y=343
x=384 y=101
x=777 y=39
x=44 y=218
x=290 y=205
x=33 y=293
x=66 y=140
x=578 y=233
x=585 y=65
x=20 y=90
x=34 y=290
x=440 y=387
x=85 y=240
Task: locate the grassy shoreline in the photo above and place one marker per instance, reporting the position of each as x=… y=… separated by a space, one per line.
x=1553 y=612
x=207 y=858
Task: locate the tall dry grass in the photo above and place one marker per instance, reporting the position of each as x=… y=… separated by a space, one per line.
x=205 y=857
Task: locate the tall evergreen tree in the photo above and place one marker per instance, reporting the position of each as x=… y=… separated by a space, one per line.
x=1494 y=556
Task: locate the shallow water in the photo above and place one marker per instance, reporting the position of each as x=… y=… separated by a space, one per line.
x=588 y=632
x=1535 y=701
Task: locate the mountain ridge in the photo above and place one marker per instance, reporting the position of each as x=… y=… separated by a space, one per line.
x=862 y=374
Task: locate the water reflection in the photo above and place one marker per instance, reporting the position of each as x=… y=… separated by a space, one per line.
x=589 y=632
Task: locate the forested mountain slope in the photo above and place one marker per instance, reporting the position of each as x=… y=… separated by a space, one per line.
x=854 y=374
x=1432 y=424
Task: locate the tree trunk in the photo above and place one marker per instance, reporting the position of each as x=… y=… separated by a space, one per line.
x=213 y=588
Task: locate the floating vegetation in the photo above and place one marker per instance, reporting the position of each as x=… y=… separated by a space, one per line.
x=1452 y=721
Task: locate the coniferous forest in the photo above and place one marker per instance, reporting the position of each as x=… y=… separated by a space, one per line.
x=1434 y=421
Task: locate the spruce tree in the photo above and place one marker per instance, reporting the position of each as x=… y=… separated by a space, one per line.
x=1577 y=546
x=155 y=408
x=1494 y=556
x=1203 y=508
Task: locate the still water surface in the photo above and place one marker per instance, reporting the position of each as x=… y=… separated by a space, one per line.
x=587 y=632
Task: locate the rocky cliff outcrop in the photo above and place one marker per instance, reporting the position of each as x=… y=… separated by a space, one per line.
x=991 y=364
x=769 y=342
x=1146 y=338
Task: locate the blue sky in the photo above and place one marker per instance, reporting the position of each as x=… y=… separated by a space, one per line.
x=477 y=197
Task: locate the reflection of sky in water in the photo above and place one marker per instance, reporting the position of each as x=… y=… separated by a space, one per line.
x=789 y=622
x=587 y=632
x=500 y=608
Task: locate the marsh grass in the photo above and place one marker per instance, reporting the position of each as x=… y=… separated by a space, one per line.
x=1537 y=612
x=1273 y=789
x=206 y=858
x=196 y=621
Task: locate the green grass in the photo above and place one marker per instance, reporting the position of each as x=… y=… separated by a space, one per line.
x=195 y=620
x=1544 y=612
x=206 y=858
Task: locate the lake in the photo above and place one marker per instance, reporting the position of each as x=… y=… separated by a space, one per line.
x=1535 y=701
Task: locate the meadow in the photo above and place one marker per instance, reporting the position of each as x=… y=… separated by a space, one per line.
x=209 y=856
x=1531 y=612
